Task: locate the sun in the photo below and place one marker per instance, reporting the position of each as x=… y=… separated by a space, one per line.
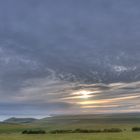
x=84 y=94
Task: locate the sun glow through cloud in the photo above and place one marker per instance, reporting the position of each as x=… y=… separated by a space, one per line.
x=106 y=101
x=100 y=97
x=85 y=94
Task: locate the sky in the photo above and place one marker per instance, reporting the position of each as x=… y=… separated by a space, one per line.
x=69 y=57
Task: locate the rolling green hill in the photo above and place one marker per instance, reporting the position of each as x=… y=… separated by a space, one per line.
x=100 y=121
x=11 y=129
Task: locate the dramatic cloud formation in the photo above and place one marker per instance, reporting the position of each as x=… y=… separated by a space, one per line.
x=69 y=56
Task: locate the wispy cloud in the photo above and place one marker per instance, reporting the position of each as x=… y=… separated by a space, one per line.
x=76 y=97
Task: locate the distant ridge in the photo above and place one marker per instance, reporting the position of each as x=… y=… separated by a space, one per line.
x=20 y=120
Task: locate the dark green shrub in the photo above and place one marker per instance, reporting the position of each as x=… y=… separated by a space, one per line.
x=33 y=132
x=136 y=129
x=60 y=131
x=113 y=130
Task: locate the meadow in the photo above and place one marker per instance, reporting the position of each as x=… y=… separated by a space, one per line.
x=103 y=136
x=13 y=130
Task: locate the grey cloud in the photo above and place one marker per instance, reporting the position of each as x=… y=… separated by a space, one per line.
x=76 y=45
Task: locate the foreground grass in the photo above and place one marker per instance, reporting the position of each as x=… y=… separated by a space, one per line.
x=13 y=128
x=103 y=136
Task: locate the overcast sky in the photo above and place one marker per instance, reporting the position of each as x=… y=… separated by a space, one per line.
x=69 y=56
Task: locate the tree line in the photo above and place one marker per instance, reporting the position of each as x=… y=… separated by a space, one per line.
x=111 y=130
x=71 y=131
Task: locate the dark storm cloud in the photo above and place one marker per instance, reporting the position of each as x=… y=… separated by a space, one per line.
x=49 y=47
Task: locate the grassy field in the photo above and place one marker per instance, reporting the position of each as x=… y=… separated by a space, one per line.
x=12 y=131
x=103 y=136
